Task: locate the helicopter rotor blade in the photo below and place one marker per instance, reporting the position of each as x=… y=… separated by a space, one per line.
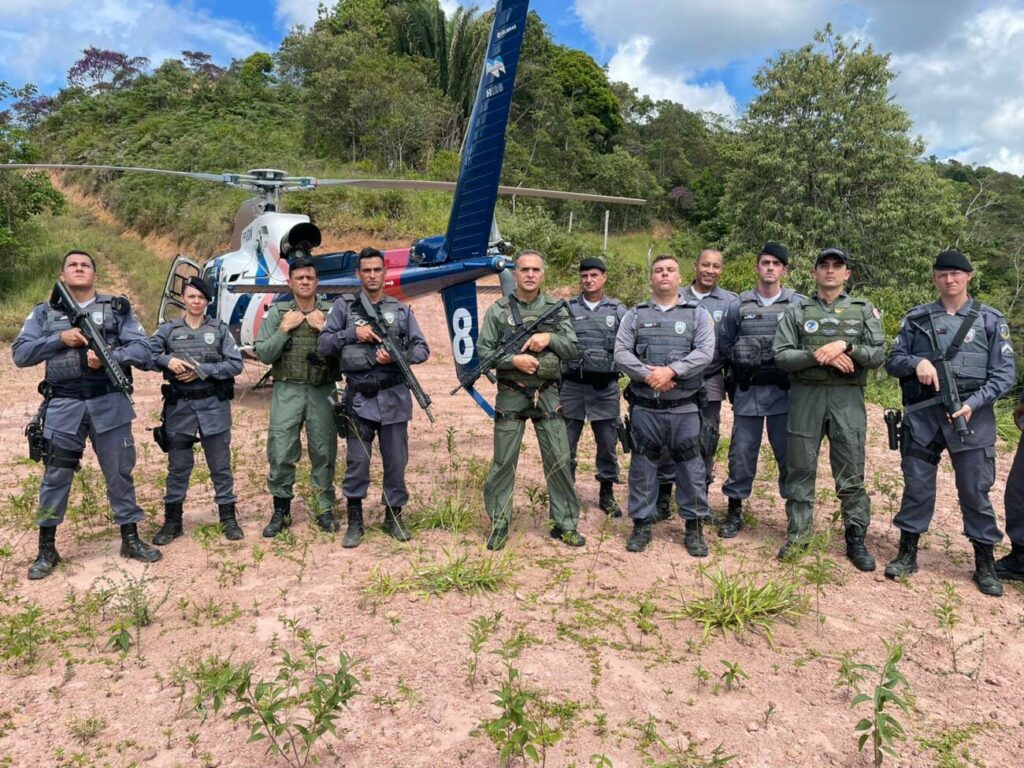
x=449 y=186
x=215 y=177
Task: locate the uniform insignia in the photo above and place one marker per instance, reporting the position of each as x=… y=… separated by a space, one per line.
x=1004 y=331
x=751 y=316
x=209 y=338
x=851 y=331
x=610 y=321
x=830 y=321
x=839 y=310
x=717 y=315
x=680 y=327
x=511 y=320
x=811 y=326
x=1007 y=350
x=97 y=317
x=876 y=313
x=829 y=331
x=389 y=318
x=969 y=337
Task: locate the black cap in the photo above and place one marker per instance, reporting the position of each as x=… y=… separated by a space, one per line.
x=834 y=253
x=952 y=260
x=200 y=285
x=778 y=250
x=592 y=262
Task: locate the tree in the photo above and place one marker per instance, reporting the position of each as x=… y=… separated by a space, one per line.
x=100 y=69
x=825 y=159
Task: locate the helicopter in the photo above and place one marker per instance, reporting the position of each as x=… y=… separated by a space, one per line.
x=254 y=273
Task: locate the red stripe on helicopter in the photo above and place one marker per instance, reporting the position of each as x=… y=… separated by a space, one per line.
x=396 y=261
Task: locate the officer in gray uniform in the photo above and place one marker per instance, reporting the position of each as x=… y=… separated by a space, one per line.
x=759 y=391
x=378 y=401
x=663 y=345
x=183 y=349
x=590 y=388
x=1011 y=567
x=705 y=292
x=83 y=403
x=975 y=341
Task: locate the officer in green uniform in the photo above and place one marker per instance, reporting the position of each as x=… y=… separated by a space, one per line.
x=303 y=384
x=528 y=389
x=827 y=343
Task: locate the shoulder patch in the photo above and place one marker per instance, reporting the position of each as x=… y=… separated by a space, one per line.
x=877 y=315
x=1004 y=331
x=1006 y=349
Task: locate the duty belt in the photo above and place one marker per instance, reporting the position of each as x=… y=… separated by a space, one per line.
x=526 y=389
x=83 y=389
x=194 y=394
x=659 y=404
x=596 y=380
x=370 y=388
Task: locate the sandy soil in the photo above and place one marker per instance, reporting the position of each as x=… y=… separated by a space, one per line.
x=601 y=646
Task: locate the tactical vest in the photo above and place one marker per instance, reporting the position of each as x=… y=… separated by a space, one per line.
x=662 y=338
x=970 y=365
x=595 y=332
x=846 y=319
x=752 y=354
x=300 y=362
x=202 y=344
x=70 y=363
x=716 y=307
x=550 y=368
x=359 y=361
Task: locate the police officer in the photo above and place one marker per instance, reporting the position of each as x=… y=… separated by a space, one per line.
x=377 y=398
x=664 y=345
x=184 y=348
x=975 y=340
x=1011 y=567
x=827 y=343
x=706 y=293
x=528 y=389
x=83 y=403
x=759 y=390
x=590 y=384
x=303 y=384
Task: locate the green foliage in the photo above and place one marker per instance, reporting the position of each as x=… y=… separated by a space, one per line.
x=950 y=745
x=21 y=635
x=295 y=710
x=733 y=674
x=881 y=727
x=737 y=603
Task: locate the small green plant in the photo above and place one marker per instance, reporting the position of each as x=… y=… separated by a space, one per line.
x=881 y=728
x=645 y=609
x=446 y=512
x=733 y=674
x=294 y=710
x=22 y=634
x=601 y=760
x=736 y=603
x=701 y=675
x=951 y=745
x=480 y=631
x=851 y=672
x=464 y=573
x=85 y=729
x=769 y=711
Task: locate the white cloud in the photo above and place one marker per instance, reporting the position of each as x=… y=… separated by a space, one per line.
x=41 y=47
x=629 y=65
x=292 y=12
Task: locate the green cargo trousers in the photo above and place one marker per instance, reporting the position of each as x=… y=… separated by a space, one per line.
x=292 y=405
x=564 y=505
x=836 y=412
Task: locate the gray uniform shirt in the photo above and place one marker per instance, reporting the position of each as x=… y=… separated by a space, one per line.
x=716 y=303
x=391 y=405
x=36 y=343
x=692 y=364
x=214 y=415
x=583 y=401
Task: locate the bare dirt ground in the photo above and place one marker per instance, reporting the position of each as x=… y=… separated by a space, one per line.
x=595 y=633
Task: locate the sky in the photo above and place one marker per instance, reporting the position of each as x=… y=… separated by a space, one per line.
x=959 y=62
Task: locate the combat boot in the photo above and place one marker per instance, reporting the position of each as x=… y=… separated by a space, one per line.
x=573 y=538
x=232 y=530
x=354 y=531
x=906 y=559
x=664 y=510
x=640 y=537
x=47 y=558
x=327 y=522
x=856 y=552
x=693 y=539
x=792 y=549
x=280 y=519
x=134 y=548
x=393 y=525
x=606 y=501
x=733 y=522
x=172 y=527
x=985 y=571
x=1011 y=567
x=498 y=538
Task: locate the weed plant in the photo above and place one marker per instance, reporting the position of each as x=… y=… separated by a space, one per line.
x=882 y=728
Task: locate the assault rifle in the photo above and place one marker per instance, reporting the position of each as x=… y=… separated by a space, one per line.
x=62 y=300
x=512 y=345
x=948 y=393
x=390 y=346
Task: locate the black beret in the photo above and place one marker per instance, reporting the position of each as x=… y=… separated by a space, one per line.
x=200 y=285
x=952 y=260
x=834 y=253
x=778 y=250
x=592 y=262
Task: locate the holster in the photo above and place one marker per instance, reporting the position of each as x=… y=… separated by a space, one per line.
x=625 y=436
